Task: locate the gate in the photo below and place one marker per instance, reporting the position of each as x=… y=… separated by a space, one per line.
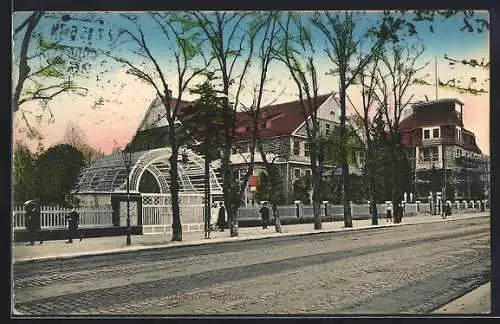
x=157 y=213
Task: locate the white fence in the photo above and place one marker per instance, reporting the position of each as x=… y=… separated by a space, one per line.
x=54 y=217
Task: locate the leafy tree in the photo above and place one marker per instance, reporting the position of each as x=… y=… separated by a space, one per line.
x=43 y=72
x=180 y=36
x=204 y=121
x=57 y=171
x=301 y=190
x=23 y=174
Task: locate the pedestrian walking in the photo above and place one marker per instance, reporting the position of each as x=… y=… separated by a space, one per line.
x=33 y=225
x=264 y=215
x=73 y=221
x=388 y=212
x=221 y=220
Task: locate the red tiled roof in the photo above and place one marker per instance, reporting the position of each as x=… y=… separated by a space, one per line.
x=281 y=119
x=434 y=116
x=430 y=117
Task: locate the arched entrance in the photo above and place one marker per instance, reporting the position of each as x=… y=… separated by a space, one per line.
x=149 y=177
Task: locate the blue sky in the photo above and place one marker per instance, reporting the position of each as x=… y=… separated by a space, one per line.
x=130 y=103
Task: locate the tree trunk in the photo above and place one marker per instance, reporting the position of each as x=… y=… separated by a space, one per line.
x=317 y=193
x=395 y=184
x=174 y=188
x=207 y=191
x=373 y=205
x=24 y=69
x=345 y=164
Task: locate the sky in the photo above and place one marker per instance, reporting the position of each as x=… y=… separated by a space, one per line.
x=125 y=99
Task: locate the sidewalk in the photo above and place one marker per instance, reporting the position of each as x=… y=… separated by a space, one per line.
x=475 y=302
x=52 y=250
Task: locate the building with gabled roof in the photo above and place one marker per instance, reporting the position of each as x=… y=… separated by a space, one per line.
x=282 y=130
x=437 y=141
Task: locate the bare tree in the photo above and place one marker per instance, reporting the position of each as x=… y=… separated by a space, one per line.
x=227 y=34
x=185 y=46
x=364 y=120
x=395 y=75
x=343 y=46
x=75 y=136
x=297 y=52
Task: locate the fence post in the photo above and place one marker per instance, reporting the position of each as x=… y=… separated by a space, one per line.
x=298 y=211
x=325 y=204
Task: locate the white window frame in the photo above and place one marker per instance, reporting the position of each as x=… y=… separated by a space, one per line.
x=298 y=147
x=431 y=132
x=438 y=131
x=295 y=173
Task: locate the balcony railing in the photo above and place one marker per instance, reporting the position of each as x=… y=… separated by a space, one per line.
x=429 y=158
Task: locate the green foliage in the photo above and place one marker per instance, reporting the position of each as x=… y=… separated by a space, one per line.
x=271 y=188
x=301 y=190
x=204 y=121
x=23 y=174
x=57 y=171
x=333 y=145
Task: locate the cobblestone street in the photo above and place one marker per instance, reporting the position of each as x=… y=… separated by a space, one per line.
x=396 y=270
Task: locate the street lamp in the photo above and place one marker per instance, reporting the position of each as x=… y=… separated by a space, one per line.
x=127 y=161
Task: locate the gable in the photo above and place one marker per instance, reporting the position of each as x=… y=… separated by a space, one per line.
x=156 y=114
x=328 y=113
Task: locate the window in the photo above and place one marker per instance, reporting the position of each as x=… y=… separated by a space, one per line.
x=234 y=150
x=296 y=148
x=428 y=154
x=296 y=174
x=327 y=129
x=427 y=133
x=308 y=174
x=306 y=149
x=459 y=134
x=458 y=152
x=435 y=133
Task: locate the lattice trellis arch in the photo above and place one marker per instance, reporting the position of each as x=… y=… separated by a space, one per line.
x=108 y=174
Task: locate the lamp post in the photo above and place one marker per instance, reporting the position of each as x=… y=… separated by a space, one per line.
x=127 y=161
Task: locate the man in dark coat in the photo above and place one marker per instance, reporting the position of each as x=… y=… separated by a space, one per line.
x=73 y=220
x=221 y=220
x=264 y=215
x=33 y=222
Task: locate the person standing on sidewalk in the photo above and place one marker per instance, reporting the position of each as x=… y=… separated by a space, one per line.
x=73 y=220
x=388 y=212
x=264 y=215
x=33 y=225
x=221 y=220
